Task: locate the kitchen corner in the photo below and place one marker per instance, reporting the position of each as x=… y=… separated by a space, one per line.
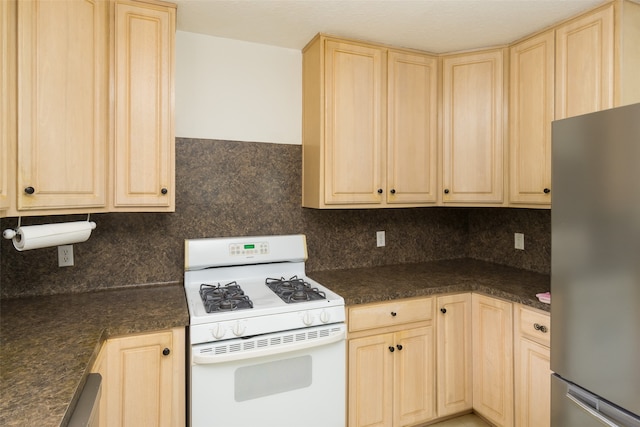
x=375 y=284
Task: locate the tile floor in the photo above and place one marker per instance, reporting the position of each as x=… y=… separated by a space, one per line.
x=469 y=420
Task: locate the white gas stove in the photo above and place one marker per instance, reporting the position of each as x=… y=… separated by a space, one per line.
x=263 y=333
x=227 y=285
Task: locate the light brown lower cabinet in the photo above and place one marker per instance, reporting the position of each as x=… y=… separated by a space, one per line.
x=492 y=359
x=453 y=361
x=491 y=356
x=532 y=368
x=392 y=366
x=143 y=380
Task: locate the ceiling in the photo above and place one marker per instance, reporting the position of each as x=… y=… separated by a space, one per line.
x=435 y=26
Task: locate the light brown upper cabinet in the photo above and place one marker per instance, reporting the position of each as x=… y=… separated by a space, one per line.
x=473 y=88
x=63 y=104
x=8 y=100
x=412 y=129
x=597 y=60
x=344 y=109
x=530 y=115
x=92 y=127
x=585 y=64
x=143 y=166
x=369 y=126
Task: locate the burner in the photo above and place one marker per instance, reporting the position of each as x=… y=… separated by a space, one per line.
x=294 y=290
x=224 y=298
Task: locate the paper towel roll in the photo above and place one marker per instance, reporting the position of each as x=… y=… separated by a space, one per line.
x=43 y=236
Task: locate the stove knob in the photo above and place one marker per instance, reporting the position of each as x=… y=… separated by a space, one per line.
x=218 y=331
x=324 y=316
x=307 y=319
x=239 y=328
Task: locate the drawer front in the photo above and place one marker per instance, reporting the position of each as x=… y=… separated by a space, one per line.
x=535 y=325
x=379 y=315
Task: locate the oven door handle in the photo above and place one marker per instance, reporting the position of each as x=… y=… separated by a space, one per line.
x=208 y=359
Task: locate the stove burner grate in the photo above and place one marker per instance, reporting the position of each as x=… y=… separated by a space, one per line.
x=224 y=298
x=294 y=290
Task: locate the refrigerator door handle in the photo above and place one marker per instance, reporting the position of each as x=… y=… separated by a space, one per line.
x=601 y=410
x=591 y=410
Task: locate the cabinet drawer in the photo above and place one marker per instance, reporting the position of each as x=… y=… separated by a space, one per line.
x=390 y=313
x=535 y=325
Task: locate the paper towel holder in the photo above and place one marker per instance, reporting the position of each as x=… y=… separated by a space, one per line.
x=10 y=233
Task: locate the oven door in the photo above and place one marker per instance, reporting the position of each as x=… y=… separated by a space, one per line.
x=287 y=379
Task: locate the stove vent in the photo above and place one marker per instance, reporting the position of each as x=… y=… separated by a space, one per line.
x=282 y=339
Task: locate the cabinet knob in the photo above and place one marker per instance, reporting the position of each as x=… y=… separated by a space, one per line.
x=29 y=190
x=446 y=191
x=164 y=191
x=539 y=327
x=399 y=347
x=443 y=310
x=166 y=351
x=547 y=190
x=393 y=313
x=379 y=190
x=393 y=191
x=392 y=348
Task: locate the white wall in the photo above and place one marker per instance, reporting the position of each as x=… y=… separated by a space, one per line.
x=234 y=90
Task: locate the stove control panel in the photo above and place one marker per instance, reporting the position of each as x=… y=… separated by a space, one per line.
x=245 y=327
x=244 y=249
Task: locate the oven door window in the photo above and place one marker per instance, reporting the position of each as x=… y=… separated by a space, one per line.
x=265 y=379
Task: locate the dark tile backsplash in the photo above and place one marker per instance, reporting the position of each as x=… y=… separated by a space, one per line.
x=226 y=188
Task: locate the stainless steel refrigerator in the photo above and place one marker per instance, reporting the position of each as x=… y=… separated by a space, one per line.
x=595 y=269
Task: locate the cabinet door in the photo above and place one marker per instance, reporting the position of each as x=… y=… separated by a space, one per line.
x=143 y=386
x=144 y=146
x=371 y=381
x=530 y=117
x=63 y=64
x=472 y=146
x=493 y=359
x=414 y=376
x=355 y=77
x=585 y=64
x=532 y=385
x=453 y=337
x=100 y=367
x=412 y=128
x=8 y=81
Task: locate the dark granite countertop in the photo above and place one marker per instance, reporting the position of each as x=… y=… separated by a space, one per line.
x=372 y=284
x=48 y=344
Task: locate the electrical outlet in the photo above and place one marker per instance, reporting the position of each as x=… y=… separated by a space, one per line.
x=380 y=239
x=65 y=256
x=518 y=241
